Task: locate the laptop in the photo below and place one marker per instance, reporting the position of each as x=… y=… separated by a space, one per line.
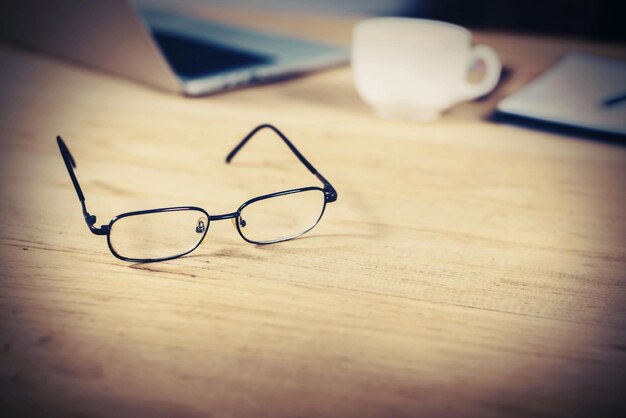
x=161 y=48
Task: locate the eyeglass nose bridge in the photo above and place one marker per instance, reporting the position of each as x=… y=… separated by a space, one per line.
x=233 y=216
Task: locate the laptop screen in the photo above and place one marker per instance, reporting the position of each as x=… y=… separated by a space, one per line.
x=193 y=58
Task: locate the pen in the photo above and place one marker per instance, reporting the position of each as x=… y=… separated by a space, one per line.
x=614 y=100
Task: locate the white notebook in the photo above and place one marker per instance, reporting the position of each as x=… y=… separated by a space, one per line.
x=581 y=90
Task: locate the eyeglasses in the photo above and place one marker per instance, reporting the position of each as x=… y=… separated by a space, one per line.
x=166 y=233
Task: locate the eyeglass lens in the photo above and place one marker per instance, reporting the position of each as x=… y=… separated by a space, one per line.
x=157 y=235
x=281 y=217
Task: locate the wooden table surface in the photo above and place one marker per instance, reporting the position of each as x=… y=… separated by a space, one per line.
x=468 y=268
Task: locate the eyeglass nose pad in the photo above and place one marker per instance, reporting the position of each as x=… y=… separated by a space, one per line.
x=200 y=226
x=242 y=222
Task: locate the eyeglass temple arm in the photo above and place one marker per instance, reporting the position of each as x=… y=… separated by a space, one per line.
x=70 y=164
x=329 y=190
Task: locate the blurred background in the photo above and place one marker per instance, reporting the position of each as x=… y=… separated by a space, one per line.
x=598 y=19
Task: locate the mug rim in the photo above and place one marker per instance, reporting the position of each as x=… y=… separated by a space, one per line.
x=433 y=22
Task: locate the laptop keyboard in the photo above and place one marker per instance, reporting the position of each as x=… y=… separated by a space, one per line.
x=192 y=58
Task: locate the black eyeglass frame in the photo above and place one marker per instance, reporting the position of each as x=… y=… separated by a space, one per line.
x=329 y=193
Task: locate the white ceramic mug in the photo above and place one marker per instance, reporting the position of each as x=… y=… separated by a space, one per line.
x=415 y=68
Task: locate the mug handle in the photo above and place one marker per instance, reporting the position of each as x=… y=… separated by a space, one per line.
x=492 y=72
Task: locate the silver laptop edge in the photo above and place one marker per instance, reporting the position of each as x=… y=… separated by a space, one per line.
x=290 y=55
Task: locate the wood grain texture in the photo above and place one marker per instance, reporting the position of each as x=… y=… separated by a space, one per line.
x=468 y=268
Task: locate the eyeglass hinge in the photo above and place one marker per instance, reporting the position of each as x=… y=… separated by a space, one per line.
x=330 y=194
x=91 y=220
x=103 y=230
